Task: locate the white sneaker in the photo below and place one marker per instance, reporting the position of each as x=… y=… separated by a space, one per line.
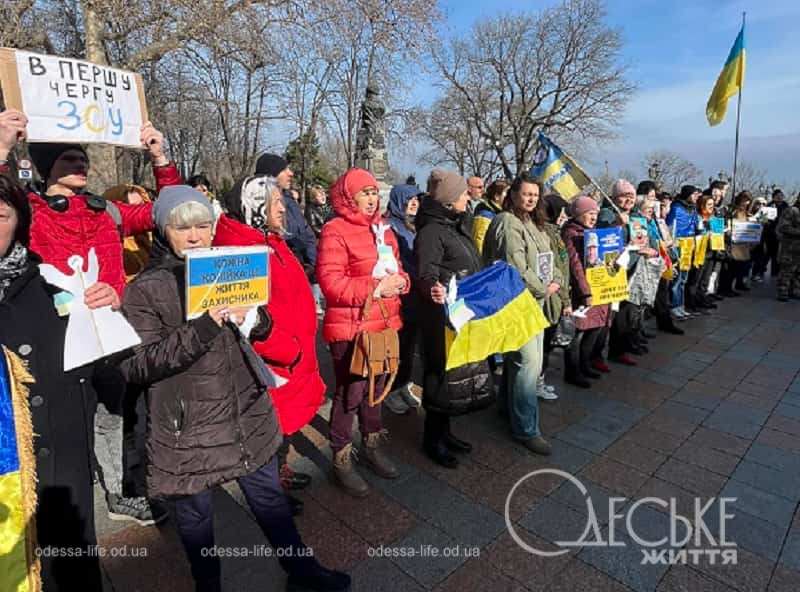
x=412 y=395
x=545 y=391
x=396 y=403
x=547 y=395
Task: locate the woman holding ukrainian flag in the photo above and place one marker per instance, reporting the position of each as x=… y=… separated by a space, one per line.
x=444 y=249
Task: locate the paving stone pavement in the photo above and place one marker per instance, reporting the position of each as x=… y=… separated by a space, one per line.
x=713 y=413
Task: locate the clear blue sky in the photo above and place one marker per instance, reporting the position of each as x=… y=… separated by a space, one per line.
x=675 y=51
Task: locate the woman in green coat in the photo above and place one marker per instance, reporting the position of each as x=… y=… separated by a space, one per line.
x=518 y=237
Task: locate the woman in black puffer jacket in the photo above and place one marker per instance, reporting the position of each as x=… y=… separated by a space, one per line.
x=210 y=418
x=443 y=248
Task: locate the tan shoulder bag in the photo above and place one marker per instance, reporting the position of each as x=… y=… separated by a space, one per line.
x=376 y=353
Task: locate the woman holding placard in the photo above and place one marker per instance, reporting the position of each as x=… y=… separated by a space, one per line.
x=591 y=322
x=209 y=419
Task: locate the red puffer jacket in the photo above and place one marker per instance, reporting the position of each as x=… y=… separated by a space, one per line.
x=56 y=236
x=290 y=349
x=346 y=255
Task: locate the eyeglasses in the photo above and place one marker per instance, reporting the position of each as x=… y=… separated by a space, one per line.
x=60 y=203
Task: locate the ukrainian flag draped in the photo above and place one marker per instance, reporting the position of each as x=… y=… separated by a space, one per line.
x=730 y=81
x=506 y=316
x=19 y=567
x=557 y=171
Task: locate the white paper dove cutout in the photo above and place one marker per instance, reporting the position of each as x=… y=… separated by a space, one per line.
x=91 y=334
x=387 y=263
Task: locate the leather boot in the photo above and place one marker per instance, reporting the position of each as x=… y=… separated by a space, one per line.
x=376 y=460
x=345 y=474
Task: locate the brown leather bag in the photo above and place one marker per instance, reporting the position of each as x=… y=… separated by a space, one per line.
x=376 y=353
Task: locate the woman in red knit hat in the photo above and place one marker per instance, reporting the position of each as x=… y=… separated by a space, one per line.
x=357 y=259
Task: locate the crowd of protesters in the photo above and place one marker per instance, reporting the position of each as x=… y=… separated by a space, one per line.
x=227 y=392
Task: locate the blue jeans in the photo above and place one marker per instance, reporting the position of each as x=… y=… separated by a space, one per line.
x=522 y=370
x=677 y=289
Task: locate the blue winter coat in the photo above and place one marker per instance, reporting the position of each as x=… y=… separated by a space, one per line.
x=398 y=201
x=682 y=220
x=300 y=237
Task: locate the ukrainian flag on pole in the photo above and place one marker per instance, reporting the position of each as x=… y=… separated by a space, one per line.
x=19 y=565
x=730 y=81
x=556 y=171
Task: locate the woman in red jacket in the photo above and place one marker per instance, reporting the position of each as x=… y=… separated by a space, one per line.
x=350 y=272
x=256 y=216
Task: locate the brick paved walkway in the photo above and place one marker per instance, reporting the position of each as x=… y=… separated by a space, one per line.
x=713 y=413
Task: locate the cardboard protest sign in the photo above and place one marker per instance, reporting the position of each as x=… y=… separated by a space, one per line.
x=717 y=227
x=74 y=101
x=226 y=276
x=686 y=247
x=769 y=212
x=700 y=249
x=601 y=249
x=746 y=232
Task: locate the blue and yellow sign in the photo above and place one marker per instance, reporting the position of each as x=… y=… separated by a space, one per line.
x=226 y=276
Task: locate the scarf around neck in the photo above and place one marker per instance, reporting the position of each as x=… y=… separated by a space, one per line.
x=12 y=266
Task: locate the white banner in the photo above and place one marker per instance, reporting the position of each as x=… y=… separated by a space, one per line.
x=69 y=100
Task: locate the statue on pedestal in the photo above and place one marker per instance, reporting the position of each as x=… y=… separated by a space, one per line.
x=371 y=137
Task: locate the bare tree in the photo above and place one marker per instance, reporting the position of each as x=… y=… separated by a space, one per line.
x=750 y=178
x=452 y=141
x=670 y=171
x=556 y=71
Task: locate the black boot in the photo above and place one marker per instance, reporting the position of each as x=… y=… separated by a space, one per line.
x=321 y=579
x=439 y=454
x=295 y=505
x=667 y=325
x=456 y=444
x=572 y=368
x=210 y=585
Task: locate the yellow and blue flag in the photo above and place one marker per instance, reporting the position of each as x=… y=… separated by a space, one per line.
x=556 y=171
x=505 y=316
x=730 y=81
x=19 y=566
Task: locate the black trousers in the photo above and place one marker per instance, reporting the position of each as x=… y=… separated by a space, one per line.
x=194 y=519
x=625 y=329
x=437 y=426
x=549 y=334
x=585 y=346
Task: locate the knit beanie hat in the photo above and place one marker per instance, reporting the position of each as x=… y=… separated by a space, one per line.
x=173 y=196
x=621 y=187
x=445 y=186
x=584 y=204
x=270 y=164
x=687 y=191
x=44 y=156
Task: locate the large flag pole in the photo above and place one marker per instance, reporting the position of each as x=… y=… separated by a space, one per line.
x=738 y=120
